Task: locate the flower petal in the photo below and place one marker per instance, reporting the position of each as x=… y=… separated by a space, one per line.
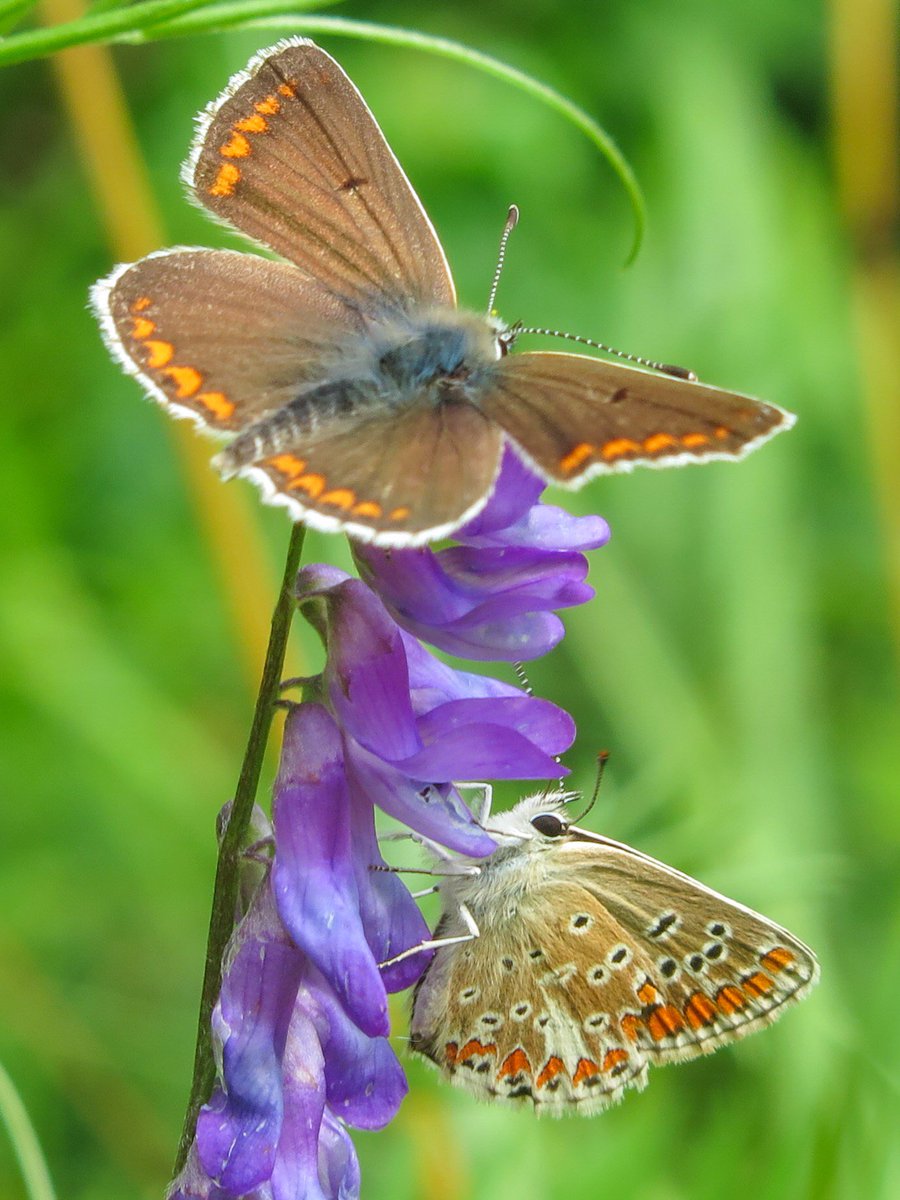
x=238 y=1129
x=364 y=1082
x=338 y=1164
x=436 y=812
x=516 y=490
x=391 y=918
x=296 y=1173
x=366 y=675
x=314 y=874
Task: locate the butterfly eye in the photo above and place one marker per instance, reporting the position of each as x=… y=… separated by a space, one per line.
x=549 y=824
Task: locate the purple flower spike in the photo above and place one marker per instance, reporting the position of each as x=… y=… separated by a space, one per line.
x=494 y=594
x=314 y=876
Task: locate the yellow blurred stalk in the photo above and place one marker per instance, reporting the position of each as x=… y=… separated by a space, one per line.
x=864 y=57
x=117 y=175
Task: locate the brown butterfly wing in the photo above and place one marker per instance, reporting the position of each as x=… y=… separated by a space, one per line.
x=398 y=478
x=575 y=416
x=710 y=971
x=291 y=155
x=526 y=1013
x=218 y=336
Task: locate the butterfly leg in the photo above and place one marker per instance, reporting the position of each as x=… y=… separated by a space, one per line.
x=457 y=869
x=483 y=810
x=433 y=848
x=472 y=932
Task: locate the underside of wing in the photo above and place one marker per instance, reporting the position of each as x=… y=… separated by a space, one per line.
x=396 y=478
x=710 y=970
x=291 y=155
x=525 y=1014
x=575 y=417
x=220 y=337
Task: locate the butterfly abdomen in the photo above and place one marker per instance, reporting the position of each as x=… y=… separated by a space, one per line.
x=296 y=422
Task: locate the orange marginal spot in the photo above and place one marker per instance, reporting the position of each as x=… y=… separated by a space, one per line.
x=268 y=107
x=287 y=464
x=470 y=1049
x=188 y=381
x=287 y=89
x=700 y=1010
x=777 y=959
x=312 y=484
x=142 y=327
x=255 y=123
x=584 y=1071
x=664 y=1021
x=237 y=146
x=400 y=514
x=218 y=404
x=515 y=1064
x=659 y=441
x=694 y=439
x=226 y=181
x=757 y=984
x=647 y=993
x=339 y=497
x=619 y=446
x=730 y=998
x=140 y=304
x=159 y=353
x=367 y=508
x=631 y=1026
x=554 y=1066
x=612 y=1058
x=451 y=1051
x=576 y=457
x=721 y=432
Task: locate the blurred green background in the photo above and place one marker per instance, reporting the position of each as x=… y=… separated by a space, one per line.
x=739 y=659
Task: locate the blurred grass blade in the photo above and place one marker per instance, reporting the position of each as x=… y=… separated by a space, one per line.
x=12 y=12
x=24 y=1140
x=110 y=24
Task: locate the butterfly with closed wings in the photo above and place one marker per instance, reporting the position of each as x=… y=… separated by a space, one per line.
x=357 y=394
x=566 y=964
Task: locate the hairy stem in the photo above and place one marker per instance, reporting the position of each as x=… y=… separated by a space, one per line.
x=225 y=891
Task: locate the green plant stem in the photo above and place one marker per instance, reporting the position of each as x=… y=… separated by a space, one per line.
x=226 y=888
x=24 y=1140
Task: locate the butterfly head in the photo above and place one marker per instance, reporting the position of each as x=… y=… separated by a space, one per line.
x=539 y=821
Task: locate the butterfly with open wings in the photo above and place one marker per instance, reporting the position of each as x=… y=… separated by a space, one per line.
x=359 y=396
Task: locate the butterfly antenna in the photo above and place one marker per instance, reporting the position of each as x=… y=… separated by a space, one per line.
x=523 y=679
x=512 y=221
x=602 y=759
x=666 y=368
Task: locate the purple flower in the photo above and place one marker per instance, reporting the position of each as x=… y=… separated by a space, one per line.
x=411 y=725
x=493 y=594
